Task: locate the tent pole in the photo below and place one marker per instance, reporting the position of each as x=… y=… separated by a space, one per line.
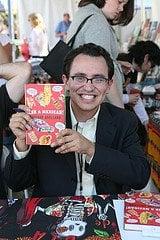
x=11 y=27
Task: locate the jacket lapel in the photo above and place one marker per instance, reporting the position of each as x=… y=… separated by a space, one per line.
x=106 y=129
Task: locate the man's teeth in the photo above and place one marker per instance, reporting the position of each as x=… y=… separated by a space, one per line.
x=88 y=97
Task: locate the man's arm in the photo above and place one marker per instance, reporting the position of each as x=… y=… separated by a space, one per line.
x=18 y=74
x=4 y=58
x=114 y=96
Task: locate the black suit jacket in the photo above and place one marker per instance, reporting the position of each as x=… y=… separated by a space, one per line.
x=118 y=164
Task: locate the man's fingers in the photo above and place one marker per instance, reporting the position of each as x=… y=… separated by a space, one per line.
x=68 y=147
x=65 y=132
x=25 y=108
x=22 y=115
x=68 y=150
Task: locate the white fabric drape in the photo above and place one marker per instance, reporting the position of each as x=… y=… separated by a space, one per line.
x=51 y=10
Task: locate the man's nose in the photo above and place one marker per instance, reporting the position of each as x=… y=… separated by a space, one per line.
x=89 y=85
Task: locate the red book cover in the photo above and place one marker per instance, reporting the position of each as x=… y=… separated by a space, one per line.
x=47 y=109
x=142 y=210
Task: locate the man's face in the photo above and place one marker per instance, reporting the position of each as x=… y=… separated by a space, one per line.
x=66 y=18
x=87 y=96
x=146 y=66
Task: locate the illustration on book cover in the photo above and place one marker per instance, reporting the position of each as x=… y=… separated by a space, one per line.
x=47 y=108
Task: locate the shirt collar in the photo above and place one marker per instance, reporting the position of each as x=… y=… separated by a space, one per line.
x=74 y=121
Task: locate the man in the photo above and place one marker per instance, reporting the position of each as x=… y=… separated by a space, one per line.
x=10 y=94
x=62 y=27
x=142 y=57
x=97 y=153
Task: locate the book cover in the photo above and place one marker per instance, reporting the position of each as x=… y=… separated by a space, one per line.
x=135 y=35
x=145 y=30
x=70 y=218
x=153 y=30
x=47 y=109
x=141 y=211
x=157 y=36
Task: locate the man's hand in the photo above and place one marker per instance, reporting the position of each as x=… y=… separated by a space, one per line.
x=133 y=98
x=69 y=140
x=126 y=67
x=19 y=123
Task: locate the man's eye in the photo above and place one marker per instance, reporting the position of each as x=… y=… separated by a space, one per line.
x=79 y=79
x=98 y=80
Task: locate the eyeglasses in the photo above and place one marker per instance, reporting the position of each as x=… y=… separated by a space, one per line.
x=99 y=80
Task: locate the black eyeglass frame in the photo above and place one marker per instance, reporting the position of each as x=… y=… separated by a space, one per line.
x=86 y=79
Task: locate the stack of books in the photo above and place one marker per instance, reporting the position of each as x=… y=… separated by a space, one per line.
x=142 y=213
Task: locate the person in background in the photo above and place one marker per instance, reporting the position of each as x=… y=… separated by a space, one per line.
x=62 y=27
x=140 y=59
x=38 y=40
x=97 y=153
x=5 y=40
x=10 y=94
x=98 y=29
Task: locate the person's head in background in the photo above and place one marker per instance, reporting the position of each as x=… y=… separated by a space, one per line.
x=144 y=55
x=36 y=20
x=116 y=11
x=3 y=26
x=66 y=17
x=87 y=74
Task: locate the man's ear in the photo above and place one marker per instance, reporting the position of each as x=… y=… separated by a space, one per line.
x=110 y=82
x=109 y=85
x=146 y=58
x=65 y=81
x=64 y=78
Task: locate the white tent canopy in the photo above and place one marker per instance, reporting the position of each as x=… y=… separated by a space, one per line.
x=51 y=10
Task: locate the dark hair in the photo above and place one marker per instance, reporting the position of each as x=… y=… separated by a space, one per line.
x=98 y=3
x=141 y=48
x=66 y=14
x=124 y=17
x=89 y=49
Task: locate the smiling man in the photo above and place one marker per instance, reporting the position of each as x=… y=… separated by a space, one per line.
x=97 y=153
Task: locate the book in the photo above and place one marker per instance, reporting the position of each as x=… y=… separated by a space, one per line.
x=142 y=211
x=70 y=218
x=153 y=30
x=135 y=35
x=145 y=30
x=157 y=36
x=47 y=109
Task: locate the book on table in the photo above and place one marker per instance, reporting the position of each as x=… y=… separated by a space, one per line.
x=47 y=109
x=142 y=211
x=69 y=218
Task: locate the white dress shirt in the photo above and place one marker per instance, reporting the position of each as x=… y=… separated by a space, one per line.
x=88 y=130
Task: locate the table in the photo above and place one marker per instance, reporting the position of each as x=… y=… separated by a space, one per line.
x=40 y=216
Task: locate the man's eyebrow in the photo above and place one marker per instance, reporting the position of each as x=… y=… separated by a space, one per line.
x=80 y=74
x=84 y=74
x=98 y=75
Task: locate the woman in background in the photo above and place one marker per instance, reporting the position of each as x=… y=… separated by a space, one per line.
x=38 y=40
x=98 y=29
